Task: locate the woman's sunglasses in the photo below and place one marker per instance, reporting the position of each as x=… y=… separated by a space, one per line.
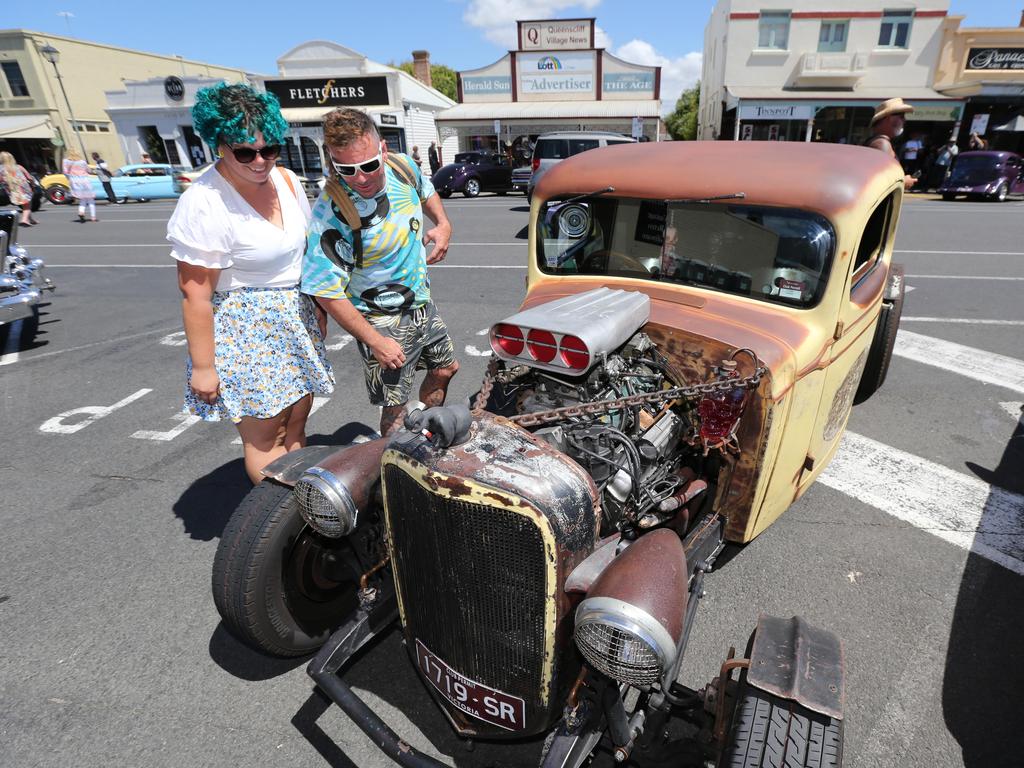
x=367 y=166
x=246 y=155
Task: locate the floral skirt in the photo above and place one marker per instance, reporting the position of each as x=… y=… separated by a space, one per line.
x=268 y=353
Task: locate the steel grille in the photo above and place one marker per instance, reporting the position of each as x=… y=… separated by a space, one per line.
x=317 y=509
x=473 y=584
x=620 y=655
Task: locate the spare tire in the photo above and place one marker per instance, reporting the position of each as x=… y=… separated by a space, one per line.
x=880 y=352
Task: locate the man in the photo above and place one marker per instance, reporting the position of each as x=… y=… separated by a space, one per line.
x=367 y=264
x=104 y=175
x=434 y=158
x=886 y=125
x=943 y=160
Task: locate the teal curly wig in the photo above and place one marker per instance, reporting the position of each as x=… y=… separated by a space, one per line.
x=231 y=114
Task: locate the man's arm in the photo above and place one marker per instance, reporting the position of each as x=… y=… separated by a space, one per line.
x=441 y=233
x=387 y=351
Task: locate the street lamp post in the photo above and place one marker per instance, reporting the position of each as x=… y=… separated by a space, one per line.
x=52 y=55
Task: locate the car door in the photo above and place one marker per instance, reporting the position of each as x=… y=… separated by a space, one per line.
x=1017 y=180
x=125 y=183
x=501 y=173
x=156 y=183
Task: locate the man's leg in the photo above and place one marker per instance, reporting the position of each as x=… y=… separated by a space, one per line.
x=434 y=388
x=391 y=418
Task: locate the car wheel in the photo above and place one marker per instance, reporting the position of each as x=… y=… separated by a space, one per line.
x=270 y=584
x=471 y=188
x=445 y=195
x=880 y=352
x=501 y=192
x=1000 y=193
x=947 y=196
x=771 y=732
x=58 y=194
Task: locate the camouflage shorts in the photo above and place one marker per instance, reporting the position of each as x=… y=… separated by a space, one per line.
x=424 y=339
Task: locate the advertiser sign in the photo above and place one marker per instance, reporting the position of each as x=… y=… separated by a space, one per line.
x=331 y=92
x=627 y=82
x=548 y=73
x=486 y=85
x=560 y=35
x=989 y=59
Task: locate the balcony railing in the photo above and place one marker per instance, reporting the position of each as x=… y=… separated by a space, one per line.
x=848 y=67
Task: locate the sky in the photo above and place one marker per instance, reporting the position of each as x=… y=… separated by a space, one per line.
x=463 y=34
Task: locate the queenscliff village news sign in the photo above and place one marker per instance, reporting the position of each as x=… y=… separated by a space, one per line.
x=331 y=92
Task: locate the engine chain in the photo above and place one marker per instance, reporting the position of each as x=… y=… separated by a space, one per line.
x=595 y=409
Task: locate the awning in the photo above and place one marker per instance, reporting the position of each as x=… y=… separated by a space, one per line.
x=550 y=110
x=1016 y=124
x=25 y=127
x=872 y=95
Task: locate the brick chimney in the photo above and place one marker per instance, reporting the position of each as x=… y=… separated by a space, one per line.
x=421 y=67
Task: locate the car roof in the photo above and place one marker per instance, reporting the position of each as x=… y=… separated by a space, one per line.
x=583 y=135
x=1000 y=153
x=827 y=178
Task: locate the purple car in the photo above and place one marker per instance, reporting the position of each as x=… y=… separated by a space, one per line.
x=992 y=175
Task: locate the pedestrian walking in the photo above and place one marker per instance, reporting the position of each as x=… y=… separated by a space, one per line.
x=416 y=156
x=433 y=157
x=77 y=172
x=886 y=125
x=366 y=263
x=104 y=175
x=255 y=343
x=19 y=185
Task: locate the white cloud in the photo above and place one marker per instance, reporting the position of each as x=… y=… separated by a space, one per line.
x=497 y=18
x=676 y=74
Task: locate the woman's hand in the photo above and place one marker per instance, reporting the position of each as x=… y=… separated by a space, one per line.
x=206 y=384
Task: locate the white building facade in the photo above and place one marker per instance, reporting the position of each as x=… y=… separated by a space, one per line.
x=807 y=70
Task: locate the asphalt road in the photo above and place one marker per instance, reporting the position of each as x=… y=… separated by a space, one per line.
x=111 y=651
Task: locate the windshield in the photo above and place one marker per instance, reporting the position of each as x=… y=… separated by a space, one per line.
x=779 y=255
x=980 y=164
x=471 y=158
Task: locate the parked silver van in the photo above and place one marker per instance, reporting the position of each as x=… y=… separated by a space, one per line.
x=553 y=148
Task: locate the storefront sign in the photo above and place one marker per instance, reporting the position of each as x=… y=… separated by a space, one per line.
x=331 y=92
x=389 y=119
x=555 y=74
x=174 y=88
x=487 y=85
x=995 y=58
x=777 y=112
x=627 y=82
x=561 y=35
x=936 y=114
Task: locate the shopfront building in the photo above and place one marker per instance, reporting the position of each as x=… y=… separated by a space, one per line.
x=556 y=80
x=815 y=73
x=985 y=67
x=319 y=76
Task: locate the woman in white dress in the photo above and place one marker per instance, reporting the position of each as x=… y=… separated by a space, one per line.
x=255 y=344
x=77 y=172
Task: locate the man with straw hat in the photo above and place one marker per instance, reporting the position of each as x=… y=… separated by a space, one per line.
x=886 y=125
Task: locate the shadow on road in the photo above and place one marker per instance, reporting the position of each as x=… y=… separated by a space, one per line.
x=241 y=661
x=984 y=678
x=206 y=505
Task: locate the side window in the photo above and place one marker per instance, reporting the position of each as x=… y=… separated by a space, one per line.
x=610 y=142
x=895 y=29
x=875 y=234
x=15 y=79
x=832 y=36
x=582 y=145
x=773 y=30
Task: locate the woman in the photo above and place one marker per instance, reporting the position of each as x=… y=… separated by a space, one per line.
x=19 y=186
x=256 y=352
x=77 y=171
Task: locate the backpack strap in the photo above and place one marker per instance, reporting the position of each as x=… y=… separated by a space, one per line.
x=288 y=180
x=402 y=170
x=343 y=203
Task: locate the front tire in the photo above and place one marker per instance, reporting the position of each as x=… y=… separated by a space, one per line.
x=471 y=188
x=770 y=732
x=947 y=196
x=270 y=576
x=58 y=194
x=1000 y=193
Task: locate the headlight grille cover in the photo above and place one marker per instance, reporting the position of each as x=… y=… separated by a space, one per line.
x=325 y=503
x=618 y=653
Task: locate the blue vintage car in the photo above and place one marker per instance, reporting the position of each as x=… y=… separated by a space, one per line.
x=141 y=181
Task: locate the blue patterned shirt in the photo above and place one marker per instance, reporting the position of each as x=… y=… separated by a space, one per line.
x=393 y=275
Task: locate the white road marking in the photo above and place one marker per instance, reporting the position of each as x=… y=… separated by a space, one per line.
x=472 y=350
x=968 y=253
x=176 y=339
x=185 y=420
x=117 y=340
x=964 y=277
x=977 y=364
x=94 y=413
x=10 y=354
x=1016 y=410
x=960 y=320
x=341 y=343
x=318 y=403
x=957 y=508
x=908 y=288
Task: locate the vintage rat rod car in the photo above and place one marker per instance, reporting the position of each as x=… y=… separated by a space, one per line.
x=699 y=319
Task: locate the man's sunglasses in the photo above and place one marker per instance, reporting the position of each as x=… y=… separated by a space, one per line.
x=367 y=166
x=246 y=155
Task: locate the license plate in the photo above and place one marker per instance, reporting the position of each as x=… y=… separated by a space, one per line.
x=481 y=701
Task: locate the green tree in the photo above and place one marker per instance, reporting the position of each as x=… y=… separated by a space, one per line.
x=442 y=77
x=682 y=123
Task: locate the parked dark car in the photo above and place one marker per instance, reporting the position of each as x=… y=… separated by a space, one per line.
x=22 y=283
x=985 y=174
x=473 y=173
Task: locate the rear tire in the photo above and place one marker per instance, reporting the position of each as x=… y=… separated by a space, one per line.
x=946 y=196
x=269 y=582
x=471 y=188
x=58 y=194
x=770 y=732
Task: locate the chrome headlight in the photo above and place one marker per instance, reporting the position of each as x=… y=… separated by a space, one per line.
x=623 y=641
x=325 y=503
